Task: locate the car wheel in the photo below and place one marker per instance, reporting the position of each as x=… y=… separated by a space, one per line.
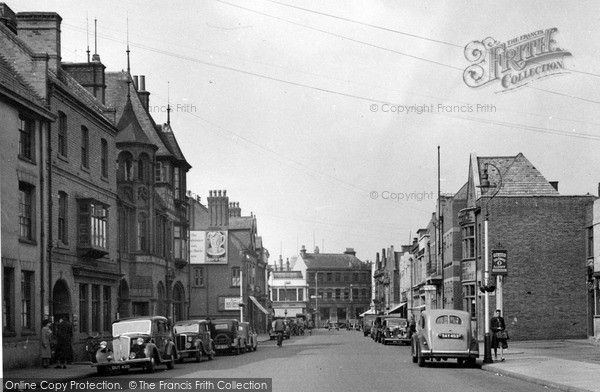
x=171 y=362
x=420 y=359
x=471 y=362
x=151 y=366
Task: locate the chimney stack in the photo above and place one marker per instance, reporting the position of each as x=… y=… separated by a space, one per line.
x=317 y=250
x=287 y=264
x=303 y=252
x=350 y=251
x=136 y=82
x=143 y=94
x=218 y=208
x=280 y=263
x=41 y=32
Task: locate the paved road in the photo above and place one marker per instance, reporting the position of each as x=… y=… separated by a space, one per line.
x=343 y=361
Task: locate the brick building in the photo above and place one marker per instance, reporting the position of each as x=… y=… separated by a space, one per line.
x=544 y=295
x=153 y=206
x=231 y=262
x=339 y=284
x=289 y=293
x=67 y=264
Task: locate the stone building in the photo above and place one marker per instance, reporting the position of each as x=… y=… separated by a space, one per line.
x=339 y=284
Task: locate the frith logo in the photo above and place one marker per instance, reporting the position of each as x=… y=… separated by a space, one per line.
x=516 y=62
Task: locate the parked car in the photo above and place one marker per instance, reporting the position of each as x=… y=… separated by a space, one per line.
x=193 y=340
x=137 y=342
x=226 y=336
x=395 y=330
x=443 y=334
x=250 y=338
x=368 y=323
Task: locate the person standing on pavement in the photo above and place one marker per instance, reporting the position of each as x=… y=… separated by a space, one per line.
x=64 y=344
x=279 y=327
x=46 y=343
x=497 y=325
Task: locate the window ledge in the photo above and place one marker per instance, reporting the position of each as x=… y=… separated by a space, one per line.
x=28 y=160
x=62 y=157
x=27 y=241
x=85 y=169
x=104 y=178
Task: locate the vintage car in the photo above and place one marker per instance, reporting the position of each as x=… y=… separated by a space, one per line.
x=226 y=336
x=443 y=334
x=395 y=330
x=368 y=323
x=193 y=340
x=137 y=342
x=250 y=338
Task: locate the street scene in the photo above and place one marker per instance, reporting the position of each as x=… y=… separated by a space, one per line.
x=296 y=195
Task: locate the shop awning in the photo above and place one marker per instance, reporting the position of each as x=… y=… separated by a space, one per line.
x=370 y=311
x=396 y=309
x=258 y=305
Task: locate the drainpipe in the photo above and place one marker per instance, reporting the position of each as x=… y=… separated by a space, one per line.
x=43 y=126
x=50 y=238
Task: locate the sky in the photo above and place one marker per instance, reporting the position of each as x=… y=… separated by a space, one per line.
x=301 y=109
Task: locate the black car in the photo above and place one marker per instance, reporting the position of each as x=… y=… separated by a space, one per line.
x=142 y=342
x=193 y=339
x=226 y=336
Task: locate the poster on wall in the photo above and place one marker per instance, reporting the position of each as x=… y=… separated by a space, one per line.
x=197 y=247
x=208 y=247
x=216 y=247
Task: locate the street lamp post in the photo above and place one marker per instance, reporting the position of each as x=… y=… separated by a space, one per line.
x=317 y=298
x=487 y=288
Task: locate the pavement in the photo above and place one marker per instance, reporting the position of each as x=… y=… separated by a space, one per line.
x=568 y=365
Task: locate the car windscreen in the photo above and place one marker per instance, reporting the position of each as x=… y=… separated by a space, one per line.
x=186 y=328
x=396 y=322
x=221 y=327
x=134 y=326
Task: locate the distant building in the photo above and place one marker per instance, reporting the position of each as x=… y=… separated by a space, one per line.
x=339 y=284
x=289 y=293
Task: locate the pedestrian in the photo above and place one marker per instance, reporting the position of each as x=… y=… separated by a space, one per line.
x=499 y=334
x=46 y=343
x=64 y=345
x=279 y=327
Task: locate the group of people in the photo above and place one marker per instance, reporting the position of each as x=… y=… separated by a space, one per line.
x=57 y=343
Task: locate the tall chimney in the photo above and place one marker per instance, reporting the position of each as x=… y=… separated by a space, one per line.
x=287 y=264
x=136 y=82
x=280 y=263
x=316 y=250
x=218 y=209
x=143 y=94
x=303 y=252
x=41 y=32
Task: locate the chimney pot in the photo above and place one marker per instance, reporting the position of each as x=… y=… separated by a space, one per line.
x=136 y=82
x=142 y=83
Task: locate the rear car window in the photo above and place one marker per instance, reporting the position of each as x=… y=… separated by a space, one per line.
x=448 y=320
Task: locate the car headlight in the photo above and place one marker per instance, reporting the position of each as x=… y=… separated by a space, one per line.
x=103 y=344
x=140 y=341
x=189 y=339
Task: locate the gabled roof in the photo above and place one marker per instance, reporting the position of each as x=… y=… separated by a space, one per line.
x=333 y=261
x=129 y=127
x=168 y=137
x=117 y=90
x=519 y=177
x=10 y=79
x=241 y=222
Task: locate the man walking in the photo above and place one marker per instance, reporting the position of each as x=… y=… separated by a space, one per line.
x=279 y=327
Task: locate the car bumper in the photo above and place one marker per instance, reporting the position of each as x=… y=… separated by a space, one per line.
x=396 y=340
x=123 y=364
x=450 y=354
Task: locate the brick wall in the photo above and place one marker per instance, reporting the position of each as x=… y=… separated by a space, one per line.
x=545 y=295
